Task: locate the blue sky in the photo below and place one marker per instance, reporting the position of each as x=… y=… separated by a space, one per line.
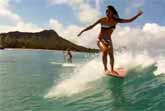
x=39 y=12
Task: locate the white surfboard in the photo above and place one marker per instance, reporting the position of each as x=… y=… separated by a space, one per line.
x=68 y=65
x=56 y=63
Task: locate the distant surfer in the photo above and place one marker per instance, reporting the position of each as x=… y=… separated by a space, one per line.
x=108 y=25
x=69 y=55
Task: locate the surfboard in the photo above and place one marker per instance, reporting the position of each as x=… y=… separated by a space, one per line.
x=56 y=63
x=121 y=73
x=68 y=65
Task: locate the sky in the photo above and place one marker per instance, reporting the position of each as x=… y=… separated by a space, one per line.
x=69 y=17
x=78 y=12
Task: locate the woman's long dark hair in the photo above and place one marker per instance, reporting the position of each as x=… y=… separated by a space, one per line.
x=115 y=13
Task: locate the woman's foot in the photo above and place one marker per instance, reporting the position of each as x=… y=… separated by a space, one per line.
x=114 y=72
x=107 y=71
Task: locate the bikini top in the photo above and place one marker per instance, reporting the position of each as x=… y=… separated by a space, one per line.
x=107 y=27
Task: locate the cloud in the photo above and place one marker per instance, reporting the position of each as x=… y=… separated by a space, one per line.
x=4 y=3
x=98 y=3
x=69 y=2
x=56 y=25
x=57 y=1
x=155 y=29
x=70 y=33
x=87 y=14
x=15 y=22
x=150 y=37
x=21 y=26
x=6 y=14
x=84 y=11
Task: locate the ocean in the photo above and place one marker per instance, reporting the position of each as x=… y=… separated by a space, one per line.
x=36 y=80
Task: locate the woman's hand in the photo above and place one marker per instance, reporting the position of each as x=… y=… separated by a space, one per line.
x=80 y=33
x=89 y=27
x=139 y=13
x=130 y=19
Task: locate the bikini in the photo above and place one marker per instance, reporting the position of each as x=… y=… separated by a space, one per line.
x=106 y=40
x=107 y=27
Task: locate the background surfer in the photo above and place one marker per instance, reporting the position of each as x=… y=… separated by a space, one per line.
x=108 y=24
x=69 y=56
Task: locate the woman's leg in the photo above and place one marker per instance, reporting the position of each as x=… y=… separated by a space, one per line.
x=104 y=50
x=111 y=55
x=111 y=59
x=104 y=59
x=70 y=59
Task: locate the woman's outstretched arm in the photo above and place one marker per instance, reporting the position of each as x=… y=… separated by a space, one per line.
x=130 y=19
x=89 y=27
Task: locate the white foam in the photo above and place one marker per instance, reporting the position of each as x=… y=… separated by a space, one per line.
x=129 y=60
x=93 y=70
x=79 y=79
x=161 y=65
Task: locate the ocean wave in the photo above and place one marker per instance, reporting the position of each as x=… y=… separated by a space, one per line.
x=93 y=70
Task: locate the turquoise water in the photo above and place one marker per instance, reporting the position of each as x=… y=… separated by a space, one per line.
x=27 y=77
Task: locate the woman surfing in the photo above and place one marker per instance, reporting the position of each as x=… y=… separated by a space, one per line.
x=108 y=25
x=69 y=55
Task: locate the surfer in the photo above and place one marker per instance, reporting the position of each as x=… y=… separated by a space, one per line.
x=108 y=25
x=69 y=56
